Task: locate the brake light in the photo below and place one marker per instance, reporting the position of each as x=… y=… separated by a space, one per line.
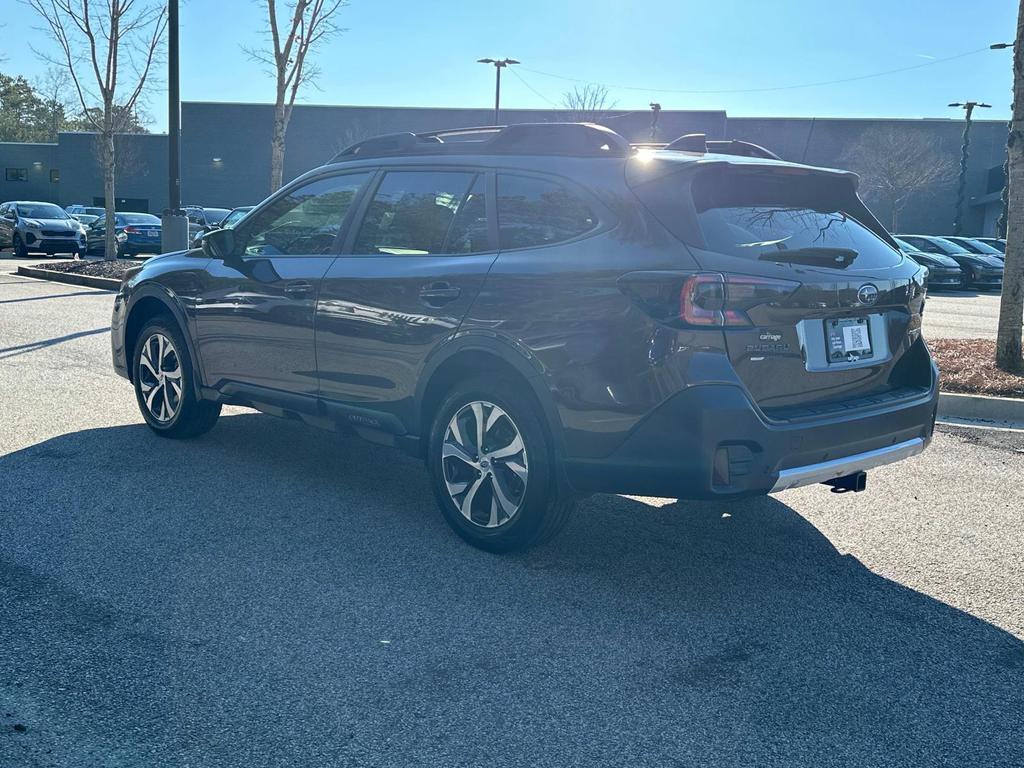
x=131 y=230
x=712 y=299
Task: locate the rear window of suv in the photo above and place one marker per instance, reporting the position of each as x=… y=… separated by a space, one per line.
x=534 y=212
x=762 y=215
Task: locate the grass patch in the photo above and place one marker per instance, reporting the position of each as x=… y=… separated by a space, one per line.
x=968 y=366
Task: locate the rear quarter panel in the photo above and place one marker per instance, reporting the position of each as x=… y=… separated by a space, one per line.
x=605 y=362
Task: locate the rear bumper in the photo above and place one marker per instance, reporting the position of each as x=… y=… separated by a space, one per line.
x=712 y=442
x=137 y=247
x=860 y=462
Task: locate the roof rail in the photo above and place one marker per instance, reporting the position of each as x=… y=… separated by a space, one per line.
x=690 y=142
x=576 y=139
x=698 y=142
x=741 y=148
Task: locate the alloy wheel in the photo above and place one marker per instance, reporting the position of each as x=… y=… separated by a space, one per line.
x=485 y=464
x=160 y=377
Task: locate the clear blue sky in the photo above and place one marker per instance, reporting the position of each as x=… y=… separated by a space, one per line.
x=400 y=52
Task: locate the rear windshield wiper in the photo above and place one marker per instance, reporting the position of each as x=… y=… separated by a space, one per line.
x=817 y=257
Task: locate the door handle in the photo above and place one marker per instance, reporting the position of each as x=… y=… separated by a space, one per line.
x=437 y=294
x=298 y=288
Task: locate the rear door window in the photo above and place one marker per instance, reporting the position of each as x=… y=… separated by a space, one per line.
x=425 y=212
x=781 y=217
x=534 y=212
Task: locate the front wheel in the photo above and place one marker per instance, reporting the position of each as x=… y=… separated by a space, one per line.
x=492 y=468
x=165 y=385
x=19 y=247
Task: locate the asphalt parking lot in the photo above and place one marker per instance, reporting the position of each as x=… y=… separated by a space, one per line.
x=270 y=595
x=962 y=314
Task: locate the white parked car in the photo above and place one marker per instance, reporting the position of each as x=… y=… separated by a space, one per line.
x=33 y=227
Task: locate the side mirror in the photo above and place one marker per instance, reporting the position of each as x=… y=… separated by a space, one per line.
x=219 y=244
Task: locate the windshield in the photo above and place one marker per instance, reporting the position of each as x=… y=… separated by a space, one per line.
x=216 y=215
x=979 y=247
x=948 y=246
x=137 y=218
x=41 y=211
x=235 y=216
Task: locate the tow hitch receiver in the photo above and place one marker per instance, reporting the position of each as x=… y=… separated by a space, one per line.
x=856 y=482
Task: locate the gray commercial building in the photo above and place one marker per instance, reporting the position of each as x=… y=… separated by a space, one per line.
x=226 y=153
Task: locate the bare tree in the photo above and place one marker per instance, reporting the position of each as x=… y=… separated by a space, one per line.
x=587 y=104
x=54 y=90
x=306 y=24
x=108 y=48
x=896 y=164
x=1011 y=305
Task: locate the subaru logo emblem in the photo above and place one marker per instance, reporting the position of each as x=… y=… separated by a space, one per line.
x=867 y=294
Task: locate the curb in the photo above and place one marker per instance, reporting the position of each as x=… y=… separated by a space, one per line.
x=90 y=281
x=1003 y=410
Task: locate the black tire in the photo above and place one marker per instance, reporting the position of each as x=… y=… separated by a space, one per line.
x=191 y=416
x=19 y=247
x=542 y=509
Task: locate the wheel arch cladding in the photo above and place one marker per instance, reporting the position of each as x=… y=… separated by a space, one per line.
x=144 y=309
x=478 y=361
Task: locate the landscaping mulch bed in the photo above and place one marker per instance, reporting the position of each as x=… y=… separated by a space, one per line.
x=968 y=366
x=100 y=268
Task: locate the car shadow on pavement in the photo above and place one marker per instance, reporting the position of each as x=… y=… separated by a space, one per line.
x=33 y=346
x=270 y=595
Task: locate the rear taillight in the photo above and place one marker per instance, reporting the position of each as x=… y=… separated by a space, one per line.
x=713 y=299
x=132 y=230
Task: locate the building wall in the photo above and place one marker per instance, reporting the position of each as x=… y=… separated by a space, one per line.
x=38 y=160
x=225 y=148
x=141 y=174
x=827 y=142
x=226 y=152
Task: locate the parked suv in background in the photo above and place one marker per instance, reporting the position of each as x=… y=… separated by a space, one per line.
x=33 y=227
x=980 y=270
x=88 y=210
x=545 y=312
x=202 y=220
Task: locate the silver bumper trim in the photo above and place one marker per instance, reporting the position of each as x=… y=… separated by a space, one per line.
x=830 y=470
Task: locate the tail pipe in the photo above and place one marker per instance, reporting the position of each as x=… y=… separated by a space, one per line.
x=856 y=482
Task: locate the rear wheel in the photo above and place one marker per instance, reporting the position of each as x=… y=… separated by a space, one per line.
x=492 y=468
x=165 y=385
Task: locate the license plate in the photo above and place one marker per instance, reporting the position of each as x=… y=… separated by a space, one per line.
x=848 y=339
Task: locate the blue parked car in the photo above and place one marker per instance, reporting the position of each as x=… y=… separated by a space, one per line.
x=136 y=233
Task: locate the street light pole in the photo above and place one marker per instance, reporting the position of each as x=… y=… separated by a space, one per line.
x=174 y=226
x=1005 y=196
x=499 y=64
x=961 y=190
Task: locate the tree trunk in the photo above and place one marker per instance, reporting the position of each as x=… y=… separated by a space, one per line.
x=281 y=115
x=1011 y=305
x=109 y=169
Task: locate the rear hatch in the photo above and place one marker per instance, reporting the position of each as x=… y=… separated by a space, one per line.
x=819 y=309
